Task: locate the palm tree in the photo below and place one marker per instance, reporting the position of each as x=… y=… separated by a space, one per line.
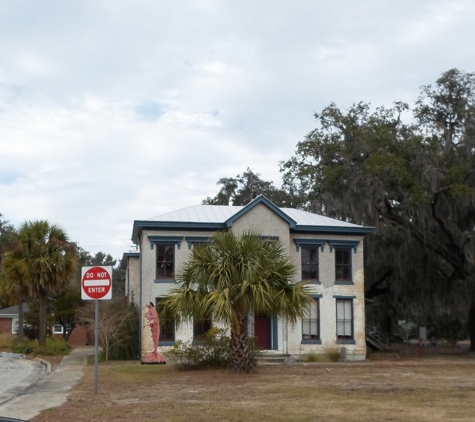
x=44 y=260
x=14 y=290
x=231 y=277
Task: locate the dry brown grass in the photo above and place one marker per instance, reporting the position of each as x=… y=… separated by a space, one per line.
x=388 y=388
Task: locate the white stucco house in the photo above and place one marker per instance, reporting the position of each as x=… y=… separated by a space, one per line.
x=325 y=251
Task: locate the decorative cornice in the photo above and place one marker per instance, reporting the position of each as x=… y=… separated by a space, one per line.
x=310 y=242
x=164 y=240
x=337 y=243
x=196 y=240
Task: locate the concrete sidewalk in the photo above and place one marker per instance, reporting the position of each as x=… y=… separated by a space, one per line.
x=49 y=390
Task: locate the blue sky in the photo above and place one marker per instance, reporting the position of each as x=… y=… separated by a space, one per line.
x=112 y=111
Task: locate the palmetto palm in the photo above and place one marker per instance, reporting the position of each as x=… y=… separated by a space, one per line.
x=231 y=277
x=44 y=261
x=14 y=289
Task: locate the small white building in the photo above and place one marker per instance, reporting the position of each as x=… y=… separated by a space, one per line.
x=325 y=251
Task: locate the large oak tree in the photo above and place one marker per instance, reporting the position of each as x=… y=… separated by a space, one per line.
x=409 y=172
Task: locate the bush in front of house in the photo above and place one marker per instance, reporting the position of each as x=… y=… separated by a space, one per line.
x=211 y=351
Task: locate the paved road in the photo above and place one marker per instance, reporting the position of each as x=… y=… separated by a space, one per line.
x=16 y=374
x=47 y=389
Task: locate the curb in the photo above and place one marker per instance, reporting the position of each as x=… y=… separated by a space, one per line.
x=45 y=363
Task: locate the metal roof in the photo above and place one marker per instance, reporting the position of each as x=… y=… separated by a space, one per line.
x=304 y=218
x=200 y=214
x=221 y=213
x=220 y=217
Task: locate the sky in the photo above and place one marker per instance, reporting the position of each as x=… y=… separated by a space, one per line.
x=113 y=111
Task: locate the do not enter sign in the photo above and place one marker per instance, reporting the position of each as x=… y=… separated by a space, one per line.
x=96 y=283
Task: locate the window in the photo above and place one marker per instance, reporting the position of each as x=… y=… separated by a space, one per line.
x=344 y=319
x=15 y=325
x=311 y=323
x=201 y=327
x=343 y=264
x=59 y=329
x=165 y=261
x=309 y=259
x=167 y=329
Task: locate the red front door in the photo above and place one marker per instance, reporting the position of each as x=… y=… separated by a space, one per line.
x=262 y=330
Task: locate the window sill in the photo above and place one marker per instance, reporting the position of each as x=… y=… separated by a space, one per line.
x=348 y=283
x=345 y=342
x=312 y=281
x=311 y=342
x=165 y=280
x=166 y=343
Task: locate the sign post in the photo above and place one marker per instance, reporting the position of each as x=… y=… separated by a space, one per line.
x=96 y=284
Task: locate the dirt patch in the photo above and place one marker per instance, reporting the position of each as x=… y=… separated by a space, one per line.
x=430 y=387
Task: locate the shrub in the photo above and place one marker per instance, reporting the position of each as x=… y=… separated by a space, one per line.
x=333 y=354
x=25 y=347
x=312 y=357
x=212 y=351
x=126 y=344
x=54 y=346
x=118 y=328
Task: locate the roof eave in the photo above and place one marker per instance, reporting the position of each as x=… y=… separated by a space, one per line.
x=140 y=225
x=333 y=229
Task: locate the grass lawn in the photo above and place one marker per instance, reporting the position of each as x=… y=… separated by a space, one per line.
x=392 y=388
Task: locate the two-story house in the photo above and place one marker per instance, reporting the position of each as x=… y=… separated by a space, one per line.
x=325 y=251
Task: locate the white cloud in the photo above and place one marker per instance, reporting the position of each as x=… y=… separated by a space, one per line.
x=112 y=111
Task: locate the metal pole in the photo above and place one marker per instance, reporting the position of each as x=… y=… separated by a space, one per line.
x=96 y=349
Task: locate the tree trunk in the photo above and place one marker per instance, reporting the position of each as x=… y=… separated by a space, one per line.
x=20 y=334
x=241 y=353
x=42 y=319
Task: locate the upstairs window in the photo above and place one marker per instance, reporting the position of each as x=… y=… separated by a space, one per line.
x=343 y=264
x=309 y=261
x=165 y=261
